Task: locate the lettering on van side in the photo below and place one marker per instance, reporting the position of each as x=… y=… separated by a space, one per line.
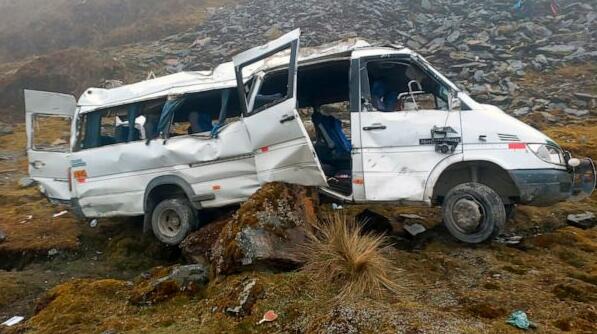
x=78 y=163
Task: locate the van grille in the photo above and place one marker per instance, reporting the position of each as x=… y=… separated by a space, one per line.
x=507 y=137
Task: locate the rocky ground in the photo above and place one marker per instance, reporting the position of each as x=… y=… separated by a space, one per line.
x=65 y=276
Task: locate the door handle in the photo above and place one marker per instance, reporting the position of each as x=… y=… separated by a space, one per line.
x=287 y=118
x=375 y=127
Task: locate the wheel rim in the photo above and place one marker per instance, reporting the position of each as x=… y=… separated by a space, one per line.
x=169 y=223
x=468 y=215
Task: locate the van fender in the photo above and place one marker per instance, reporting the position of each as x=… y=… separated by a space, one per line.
x=168 y=180
x=171 y=180
x=443 y=165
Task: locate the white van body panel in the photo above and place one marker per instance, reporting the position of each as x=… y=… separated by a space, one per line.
x=396 y=165
x=48 y=167
x=125 y=170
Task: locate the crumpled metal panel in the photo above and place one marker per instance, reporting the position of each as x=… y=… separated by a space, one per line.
x=117 y=175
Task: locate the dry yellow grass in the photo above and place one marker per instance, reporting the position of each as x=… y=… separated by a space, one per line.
x=339 y=251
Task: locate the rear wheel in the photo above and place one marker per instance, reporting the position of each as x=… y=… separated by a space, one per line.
x=172 y=220
x=473 y=212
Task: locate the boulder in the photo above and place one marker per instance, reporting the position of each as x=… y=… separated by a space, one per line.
x=163 y=283
x=262 y=233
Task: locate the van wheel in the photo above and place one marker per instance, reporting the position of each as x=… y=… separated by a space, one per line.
x=473 y=212
x=172 y=220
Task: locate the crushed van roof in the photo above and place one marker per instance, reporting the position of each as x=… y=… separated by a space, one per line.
x=220 y=77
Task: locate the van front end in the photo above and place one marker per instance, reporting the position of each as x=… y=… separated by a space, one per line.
x=570 y=178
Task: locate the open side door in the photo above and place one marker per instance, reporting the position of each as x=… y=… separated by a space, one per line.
x=49 y=121
x=283 y=150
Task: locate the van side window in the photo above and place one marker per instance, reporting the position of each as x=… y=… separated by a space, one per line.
x=117 y=125
x=201 y=112
x=397 y=85
x=51 y=133
x=273 y=90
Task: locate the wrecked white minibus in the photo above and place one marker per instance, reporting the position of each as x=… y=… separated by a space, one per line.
x=383 y=126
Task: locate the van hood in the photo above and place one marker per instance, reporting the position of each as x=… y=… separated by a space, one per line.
x=497 y=126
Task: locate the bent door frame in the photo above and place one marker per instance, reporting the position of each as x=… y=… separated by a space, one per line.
x=282 y=147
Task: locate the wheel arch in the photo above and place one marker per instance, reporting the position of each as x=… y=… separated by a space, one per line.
x=163 y=187
x=486 y=172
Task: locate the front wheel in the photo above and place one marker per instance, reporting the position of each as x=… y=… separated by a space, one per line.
x=473 y=212
x=172 y=220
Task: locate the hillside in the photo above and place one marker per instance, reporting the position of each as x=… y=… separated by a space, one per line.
x=35 y=27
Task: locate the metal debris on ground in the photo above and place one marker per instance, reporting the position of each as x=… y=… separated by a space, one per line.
x=269 y=316
x=519 y=319
x=411 y=216
x=26 y=220
x=509 y=239
x=415 y=229
x=59 y=214
x=13 y=321
x=583 y=220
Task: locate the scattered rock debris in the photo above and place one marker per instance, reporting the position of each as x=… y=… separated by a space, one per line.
x=163 y=283
x=582 y=220
x=248 y=292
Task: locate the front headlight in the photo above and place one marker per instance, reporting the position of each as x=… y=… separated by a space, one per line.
x=548 y=153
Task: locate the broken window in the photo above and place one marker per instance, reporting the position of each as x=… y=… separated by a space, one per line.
x=397 y=85
x=51 y=133
x=120 y=124
x=201 y=112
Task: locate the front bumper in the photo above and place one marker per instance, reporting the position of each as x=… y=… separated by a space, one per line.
x=544 y=187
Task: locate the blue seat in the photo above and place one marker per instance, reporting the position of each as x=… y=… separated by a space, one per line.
x=329 y=132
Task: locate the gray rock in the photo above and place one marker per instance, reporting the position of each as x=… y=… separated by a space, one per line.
x=5 y=129
x=415 y=229
x=521 y=111
x=453 y=37
x=576 y=112
x=151 y=288
x=426 y=4
x=558 y=50
x=583 y=220
x=249 y=292
x=52 y=252
x=541 y=59
x=2 y=236
x=549 y=117
x=479 y=76
x=26 y=182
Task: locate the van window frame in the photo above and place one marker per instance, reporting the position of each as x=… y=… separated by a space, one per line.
x=292 y=71
x=81 y=119
x=365 y=85
x=33 y=147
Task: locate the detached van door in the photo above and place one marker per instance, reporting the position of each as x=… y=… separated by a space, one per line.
x=48 y=118
x=282 y=148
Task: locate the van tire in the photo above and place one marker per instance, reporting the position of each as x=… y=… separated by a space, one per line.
x=473 y=212
x=172 y=220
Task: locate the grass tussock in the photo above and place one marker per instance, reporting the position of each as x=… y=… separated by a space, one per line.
x=339 y=253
